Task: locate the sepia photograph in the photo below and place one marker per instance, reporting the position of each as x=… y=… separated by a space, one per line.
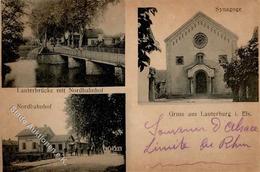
x=76 y=132
x=63 y=43
x=204 y=54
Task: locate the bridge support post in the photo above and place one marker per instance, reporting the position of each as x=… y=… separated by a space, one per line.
x=93 y=68
x=120 y=74
x=50 y=59
x=73 y=63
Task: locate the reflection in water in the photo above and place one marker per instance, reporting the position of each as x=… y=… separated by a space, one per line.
x=28 y=73
x=22 y=74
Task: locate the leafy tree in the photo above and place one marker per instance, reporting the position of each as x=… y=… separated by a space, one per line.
x=232 y=77
x=117 y=105
x=12 y=31
x=146 y=40
x=12 y=28
x=82 y=13
x=99 y=117
x=54 y=17
x=242 y=67
x=248 y=56
x=45 y=20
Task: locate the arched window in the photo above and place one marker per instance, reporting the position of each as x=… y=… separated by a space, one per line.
x=34 y=145
x=24 y=145
x=199 y=57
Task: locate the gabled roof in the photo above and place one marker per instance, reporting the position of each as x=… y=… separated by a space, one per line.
x=42 y=130
x=93 y=33
x=201 y=15
x=118 y=35
x=9 y=142
x=115 y=36
x=61 y=138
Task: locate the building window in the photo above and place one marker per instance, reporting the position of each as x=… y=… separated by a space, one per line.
x=199 y=57
x=179 y=60
x=222 y=59
x=24 y=145
x=34 y=145
x=53 y=146
x=60 y=146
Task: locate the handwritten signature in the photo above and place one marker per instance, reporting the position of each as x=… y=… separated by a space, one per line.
x=234 y=129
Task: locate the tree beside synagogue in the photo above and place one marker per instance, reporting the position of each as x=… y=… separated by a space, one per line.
x=241 y=74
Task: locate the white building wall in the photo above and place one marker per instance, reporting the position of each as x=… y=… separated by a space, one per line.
x=92 y=41
x=219 y=43
x=57 y=146
x=143 y=85
x=108 y=41
x=29 y=144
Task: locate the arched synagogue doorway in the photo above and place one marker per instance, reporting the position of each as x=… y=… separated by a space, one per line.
x=201 y=79
x=201 y=82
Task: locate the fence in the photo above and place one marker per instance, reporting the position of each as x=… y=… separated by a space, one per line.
x=101 y=55
x=107 y=49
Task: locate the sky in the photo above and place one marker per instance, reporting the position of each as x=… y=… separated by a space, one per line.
x=112 y=22
x=55 y=117
x=173 y=13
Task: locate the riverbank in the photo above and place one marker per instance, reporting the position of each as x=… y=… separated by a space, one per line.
x=28 y=52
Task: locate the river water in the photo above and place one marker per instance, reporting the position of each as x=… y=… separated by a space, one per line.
x=28 y=73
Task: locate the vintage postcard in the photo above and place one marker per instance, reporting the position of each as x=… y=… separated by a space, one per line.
x=130 y=86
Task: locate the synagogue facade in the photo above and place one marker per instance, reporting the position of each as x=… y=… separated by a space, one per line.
x=193 y=56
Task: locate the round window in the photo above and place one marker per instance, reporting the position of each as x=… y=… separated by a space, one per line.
x=200 y=40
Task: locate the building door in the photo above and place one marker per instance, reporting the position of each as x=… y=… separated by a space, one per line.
x=44 y=148
x=201 y=83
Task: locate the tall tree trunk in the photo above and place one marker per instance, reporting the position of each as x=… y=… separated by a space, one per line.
x=68 y=40
x=242 y=94
x=45 y=39
x=235 y=92
x=81 y=33
x=72 y=39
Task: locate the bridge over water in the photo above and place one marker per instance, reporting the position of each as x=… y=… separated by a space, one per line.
x=97 y=60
